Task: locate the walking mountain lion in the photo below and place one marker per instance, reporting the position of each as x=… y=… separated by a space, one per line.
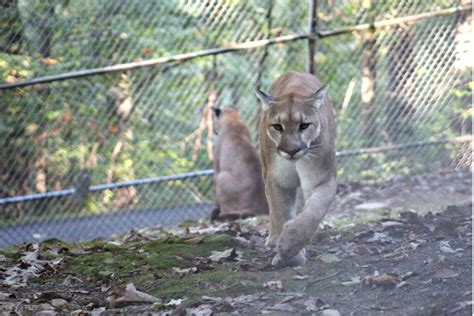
x=238 y=183
x=297 y=148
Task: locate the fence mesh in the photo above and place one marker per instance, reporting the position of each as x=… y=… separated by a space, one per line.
x=99 y=152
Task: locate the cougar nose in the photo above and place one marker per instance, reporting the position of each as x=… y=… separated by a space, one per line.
x=292 y=152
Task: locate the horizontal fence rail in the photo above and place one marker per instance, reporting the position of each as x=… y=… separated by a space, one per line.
x=210 y=172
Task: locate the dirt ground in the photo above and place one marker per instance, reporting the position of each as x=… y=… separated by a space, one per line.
x=396 y=248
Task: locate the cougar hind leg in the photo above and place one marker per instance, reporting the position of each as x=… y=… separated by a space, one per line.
x=230 y=197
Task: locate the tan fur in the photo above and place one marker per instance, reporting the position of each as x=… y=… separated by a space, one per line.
x=238 y=183
x=299 y=166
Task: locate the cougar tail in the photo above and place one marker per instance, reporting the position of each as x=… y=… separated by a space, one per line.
x=230 y=216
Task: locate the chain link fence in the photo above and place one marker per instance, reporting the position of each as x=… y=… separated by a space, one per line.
x=106 y=123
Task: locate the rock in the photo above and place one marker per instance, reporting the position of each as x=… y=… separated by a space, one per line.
x=58 y=302
x=45 y=306
x=330 y=312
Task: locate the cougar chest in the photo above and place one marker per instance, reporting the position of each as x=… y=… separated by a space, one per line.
x=309 y=176
x=284 y=172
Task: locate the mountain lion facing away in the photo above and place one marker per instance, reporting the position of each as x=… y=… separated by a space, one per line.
x=297 y=148
x=238 y=183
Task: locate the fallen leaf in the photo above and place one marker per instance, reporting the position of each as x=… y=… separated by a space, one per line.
x=79 y=251
x=174 y=302
x=444 y=246
x=4 y=296
x=245 y=299
x=299 y=277
x=105 y=288
x=194 y=240
x=385 y=280
x=329 y=258
x=185 y=272
x=290 y=298
x=273 y=285
x=201 y=310
x=29 y=266
x=282 y=307
x=80 y=291
x=408 y=275
x=315 y=304
x=248 y=267
x=370 y=206
x=72 y=280
x=219 y=256
x=380 y=237
x=353 y=281
x=389 y=224
x=97 y=311
x=130 y=295
x=212 y=299
x=242 y=240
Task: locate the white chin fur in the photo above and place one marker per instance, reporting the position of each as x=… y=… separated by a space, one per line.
x=286 y=156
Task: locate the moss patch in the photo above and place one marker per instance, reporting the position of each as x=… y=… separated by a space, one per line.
x=150 y=265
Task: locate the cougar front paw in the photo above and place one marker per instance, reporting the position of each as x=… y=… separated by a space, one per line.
x=298 y=260
x=290 y=241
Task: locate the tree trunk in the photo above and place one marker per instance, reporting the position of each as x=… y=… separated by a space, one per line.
x=369 y=74
x=402 y=77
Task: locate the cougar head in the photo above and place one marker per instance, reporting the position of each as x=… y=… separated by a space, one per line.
x=293 y=122
x=221 y=116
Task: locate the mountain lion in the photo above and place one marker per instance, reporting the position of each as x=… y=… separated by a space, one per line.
x=238 y=183
x=297 y=149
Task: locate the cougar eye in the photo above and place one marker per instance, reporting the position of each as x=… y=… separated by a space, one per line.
x=304 y=126
x=278 y=127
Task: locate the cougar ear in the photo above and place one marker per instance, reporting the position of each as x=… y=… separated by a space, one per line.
x=318 y=97
x=265 y=98
x=217 y=112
